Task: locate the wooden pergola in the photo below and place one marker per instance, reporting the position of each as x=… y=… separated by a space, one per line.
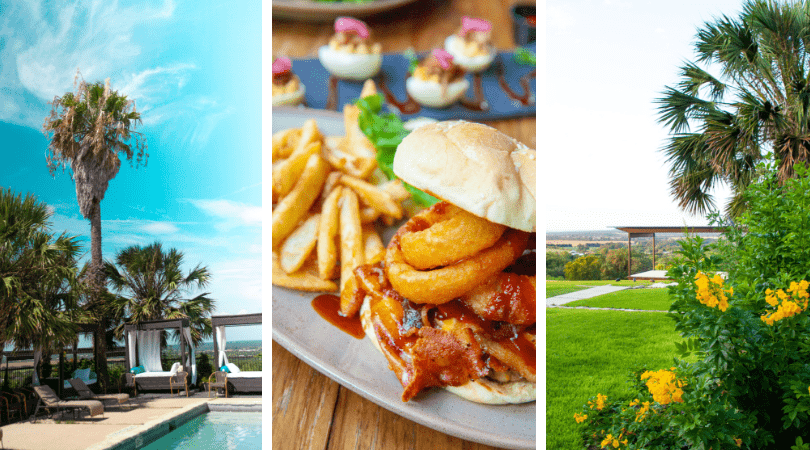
x=643 y=231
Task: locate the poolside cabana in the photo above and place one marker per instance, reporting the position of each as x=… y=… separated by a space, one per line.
x=644 y=231
x=142 y=341
x=241 y=381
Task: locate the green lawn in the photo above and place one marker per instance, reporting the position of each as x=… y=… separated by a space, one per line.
x=647 y=299
x=590 y=352
x=555 y=288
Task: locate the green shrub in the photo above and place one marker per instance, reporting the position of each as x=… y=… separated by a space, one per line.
x=587 y=267
x=750 y=387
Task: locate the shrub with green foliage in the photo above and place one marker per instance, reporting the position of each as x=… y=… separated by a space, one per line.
x=555 y=263
x=750 y=387
x=588 y=267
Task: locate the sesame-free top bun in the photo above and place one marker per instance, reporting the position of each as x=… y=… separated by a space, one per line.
x=474 y=167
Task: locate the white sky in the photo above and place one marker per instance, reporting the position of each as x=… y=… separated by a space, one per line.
x=606 y=62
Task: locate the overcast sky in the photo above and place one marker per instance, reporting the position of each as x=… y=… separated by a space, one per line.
x=606 y=63
x=194 y=70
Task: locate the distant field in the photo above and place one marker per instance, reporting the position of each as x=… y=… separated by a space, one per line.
x=576 y=242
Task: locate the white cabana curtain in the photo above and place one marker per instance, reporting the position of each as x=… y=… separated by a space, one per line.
x=191 y=357
x=222 y=358
x=37 y=359
x=132 y=336
x=149 y=350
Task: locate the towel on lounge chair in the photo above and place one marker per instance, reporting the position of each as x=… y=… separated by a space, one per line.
x=86 y=394
x=49 y=398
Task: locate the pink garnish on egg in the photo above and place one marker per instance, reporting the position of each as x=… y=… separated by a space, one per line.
x=281 y=65
x=472 y=24
x=343 y=24
x=445 y=59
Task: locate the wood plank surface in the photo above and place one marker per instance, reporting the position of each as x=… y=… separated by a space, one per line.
x=310 y=411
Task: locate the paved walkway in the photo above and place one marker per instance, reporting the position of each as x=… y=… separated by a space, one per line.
x=583 y=294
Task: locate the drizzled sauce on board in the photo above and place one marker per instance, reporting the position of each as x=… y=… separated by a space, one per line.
x=332 y=97
x=409 y=106
x=478 y=103
x=328 y=307
x=524 y=98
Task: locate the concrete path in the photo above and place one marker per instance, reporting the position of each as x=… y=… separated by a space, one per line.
x=583 y=294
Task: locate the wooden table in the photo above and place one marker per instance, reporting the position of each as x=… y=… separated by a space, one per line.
x=310 y=411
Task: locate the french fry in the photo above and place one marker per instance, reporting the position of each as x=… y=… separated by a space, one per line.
x=396 y=189
x=369 y=89
x=287 y=172
x=357 y=166
x=372 y=245
x=332 y=181
x=352 y=253
x=368 y=214
x=327 y=230
x=295 y=205
x=302 y=280
x=309 y=134
x=373 y=196
x=297 y=247
x=284 y=142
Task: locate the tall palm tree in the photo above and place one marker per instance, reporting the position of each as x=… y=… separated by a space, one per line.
x=38 y=288
x=152 y=286
x=744 y=100
x=90 y=130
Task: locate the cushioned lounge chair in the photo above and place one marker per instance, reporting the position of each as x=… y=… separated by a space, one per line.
x=86 y=394
x=49 y=401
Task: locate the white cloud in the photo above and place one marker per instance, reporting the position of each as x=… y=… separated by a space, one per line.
x=159 y=228
x=234 y=212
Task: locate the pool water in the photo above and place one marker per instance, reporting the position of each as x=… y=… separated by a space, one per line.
x=215 y=431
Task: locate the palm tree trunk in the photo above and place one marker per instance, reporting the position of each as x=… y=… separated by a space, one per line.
x=97 y=294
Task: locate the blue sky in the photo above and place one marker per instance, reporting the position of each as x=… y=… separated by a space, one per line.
x=606 y=63
x=194 y=70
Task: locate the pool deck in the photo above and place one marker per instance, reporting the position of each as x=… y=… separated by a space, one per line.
x=117 y=427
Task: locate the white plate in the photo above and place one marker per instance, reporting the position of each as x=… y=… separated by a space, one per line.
x=313 y=11
x=357 y=365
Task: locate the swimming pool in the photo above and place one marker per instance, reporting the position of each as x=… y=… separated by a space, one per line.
x=217 y=430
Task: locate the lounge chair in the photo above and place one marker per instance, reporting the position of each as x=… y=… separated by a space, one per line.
x=86 y=394
x=220 y=382
x=48 y=401
x=178 y=380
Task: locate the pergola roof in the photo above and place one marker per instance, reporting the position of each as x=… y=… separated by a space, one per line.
x=649 y=229
x=236 y=319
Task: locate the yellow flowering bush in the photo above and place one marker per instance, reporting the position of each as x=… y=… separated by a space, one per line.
x=710 y=292
x=787 y=304
x=664 y=386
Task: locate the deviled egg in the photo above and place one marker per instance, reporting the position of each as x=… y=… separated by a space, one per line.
x=437 y=82
x=350 y=53
x=472 y=46
x=287 y=87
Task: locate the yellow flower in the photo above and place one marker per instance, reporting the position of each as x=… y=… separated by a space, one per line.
x=738 y=441
x=580 y=417
x=664 y=386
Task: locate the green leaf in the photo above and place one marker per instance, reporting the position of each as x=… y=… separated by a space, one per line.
x=525 y=57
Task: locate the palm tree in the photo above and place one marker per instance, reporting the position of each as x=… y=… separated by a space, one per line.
x=756 y=108
x=90 y=130
x=38 y=287
x=152 y=286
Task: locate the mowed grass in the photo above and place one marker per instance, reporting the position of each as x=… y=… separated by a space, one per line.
x=555 y=288
x=590 y=352
x=656 y=299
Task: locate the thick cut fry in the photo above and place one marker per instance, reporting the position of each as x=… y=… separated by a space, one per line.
x=332 y=181
x=309 y=134
x=297 y=247
x=287 y=172
x=368 y=214
x=369 y=89
x=327 y=230
x=292 y=208
x=344 y=161
x=396 y=189
x=303 y=280
x=357 y=142
x=372 y=245
x=373 y=196
x=352 y=253
x=284 y=142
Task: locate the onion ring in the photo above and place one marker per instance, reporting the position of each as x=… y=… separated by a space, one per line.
x=447 y=283
x=451 y=235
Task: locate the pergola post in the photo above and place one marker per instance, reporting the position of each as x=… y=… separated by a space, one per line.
x=629 y=254
x=653 y=267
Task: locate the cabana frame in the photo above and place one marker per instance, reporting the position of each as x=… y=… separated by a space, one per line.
x=156 y=383
x=246 y=384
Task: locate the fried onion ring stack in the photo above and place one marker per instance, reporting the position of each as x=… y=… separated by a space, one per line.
x=453 y=303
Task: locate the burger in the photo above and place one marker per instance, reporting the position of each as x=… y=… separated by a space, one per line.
x=453 y=303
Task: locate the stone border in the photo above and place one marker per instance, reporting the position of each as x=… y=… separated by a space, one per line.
x=140 y=436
